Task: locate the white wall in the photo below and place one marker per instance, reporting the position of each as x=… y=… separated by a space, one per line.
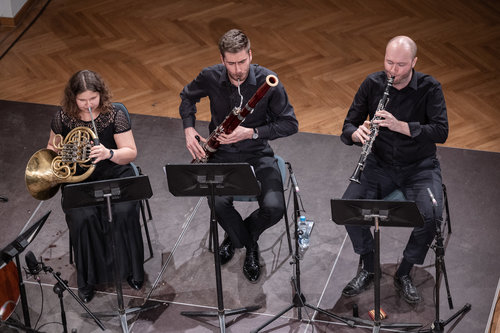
x=9 y=8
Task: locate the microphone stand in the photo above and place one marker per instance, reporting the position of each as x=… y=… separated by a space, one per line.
x=438 y=324
x=299 y=300
x=59 y=288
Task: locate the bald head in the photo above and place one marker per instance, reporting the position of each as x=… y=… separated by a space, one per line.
x=403 y=43
x=400 y=58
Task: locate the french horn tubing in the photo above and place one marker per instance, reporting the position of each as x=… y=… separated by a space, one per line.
x=47 y=170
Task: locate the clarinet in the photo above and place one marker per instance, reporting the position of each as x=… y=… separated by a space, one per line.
x=234 y=119
x=374 y=128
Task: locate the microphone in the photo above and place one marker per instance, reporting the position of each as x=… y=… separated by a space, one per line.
x=433 y=200
x=294 y=182
x=33 y=265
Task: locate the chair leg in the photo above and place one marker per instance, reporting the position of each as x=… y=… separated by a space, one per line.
x=146 y=229
x=150 y=217
x=70 y=252
x=210 y=245
x=447 y=208
x=287 y=228
x=287 y=223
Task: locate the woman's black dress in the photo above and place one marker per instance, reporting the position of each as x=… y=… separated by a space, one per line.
x=89 y=227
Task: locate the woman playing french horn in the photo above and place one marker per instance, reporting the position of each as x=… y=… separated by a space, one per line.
x=87 y=103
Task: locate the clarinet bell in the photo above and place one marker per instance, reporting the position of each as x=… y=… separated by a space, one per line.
x=357 y=174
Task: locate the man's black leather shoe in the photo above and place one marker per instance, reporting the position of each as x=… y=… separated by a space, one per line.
x=134 y=284
x=251 y=267
x=86 y=294
x=358 y=284
x=226 y=251
x=407 y=289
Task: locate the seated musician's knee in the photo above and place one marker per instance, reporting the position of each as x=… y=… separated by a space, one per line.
x=273 y=214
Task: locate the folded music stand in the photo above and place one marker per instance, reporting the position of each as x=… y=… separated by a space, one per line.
x=377 y=213
x=106 y=192
x=210 y=180
x=12 y=251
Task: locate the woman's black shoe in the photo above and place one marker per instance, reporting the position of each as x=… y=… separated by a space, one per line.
x=134 y=284
x=86 y=294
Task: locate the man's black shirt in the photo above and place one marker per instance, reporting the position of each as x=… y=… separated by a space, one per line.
x=421 y=104
x=273 y=116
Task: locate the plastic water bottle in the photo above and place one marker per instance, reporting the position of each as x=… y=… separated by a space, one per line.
x=303 y=236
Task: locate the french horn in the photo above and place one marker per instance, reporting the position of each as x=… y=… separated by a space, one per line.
x=47 y=170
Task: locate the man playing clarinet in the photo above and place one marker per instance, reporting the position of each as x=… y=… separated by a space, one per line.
x=410 y=121
x=228 y=85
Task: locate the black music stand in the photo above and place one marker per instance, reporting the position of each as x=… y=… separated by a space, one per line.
x=110 y=191
x=12 y=251
x=377 y=213
x=210 y=180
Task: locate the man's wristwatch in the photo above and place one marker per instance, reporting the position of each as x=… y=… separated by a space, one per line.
x=255 y=134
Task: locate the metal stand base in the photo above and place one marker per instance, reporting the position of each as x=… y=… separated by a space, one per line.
x=299 y=301
x=438 y=326
x=220 y=314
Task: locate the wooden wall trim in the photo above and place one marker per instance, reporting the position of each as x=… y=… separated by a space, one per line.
x=14 y=21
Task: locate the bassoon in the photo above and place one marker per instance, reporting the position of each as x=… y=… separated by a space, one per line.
x=234 y=119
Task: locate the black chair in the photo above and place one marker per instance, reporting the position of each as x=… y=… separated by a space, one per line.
x=144 y=204
x=282 y=168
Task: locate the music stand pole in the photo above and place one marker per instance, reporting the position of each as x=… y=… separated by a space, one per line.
x=116 y=268
x=299 y=300
x=221 y=313
x=376 y=232
x=373 y=212
x=125 y=189
x=210 y=180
